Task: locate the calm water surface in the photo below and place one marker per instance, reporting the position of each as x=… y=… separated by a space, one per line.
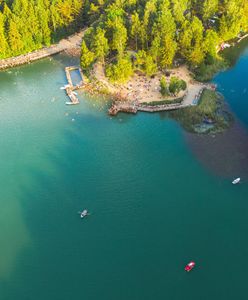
x=155 y=203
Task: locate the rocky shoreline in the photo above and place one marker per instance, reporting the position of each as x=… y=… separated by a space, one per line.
x=71 y=45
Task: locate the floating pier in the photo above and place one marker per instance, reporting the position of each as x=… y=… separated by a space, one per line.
x=70 y=88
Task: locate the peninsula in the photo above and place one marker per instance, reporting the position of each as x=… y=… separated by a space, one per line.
x=149 y=54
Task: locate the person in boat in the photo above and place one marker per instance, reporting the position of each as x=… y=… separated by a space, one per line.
x=84 y=213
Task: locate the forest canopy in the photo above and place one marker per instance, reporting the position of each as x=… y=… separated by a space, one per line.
x=152 y=34
x=27 y=25
x=127 y=34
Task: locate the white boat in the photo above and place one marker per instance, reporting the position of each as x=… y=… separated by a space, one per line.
x=74 y=93
x=235 y=181
x=68 y=103
x=84 y=213
x=65 y=87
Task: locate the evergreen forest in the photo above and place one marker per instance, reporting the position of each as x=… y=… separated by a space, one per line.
x=127 y=34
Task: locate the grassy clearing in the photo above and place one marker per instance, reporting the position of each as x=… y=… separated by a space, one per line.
x=208 y=103
x=211 y=108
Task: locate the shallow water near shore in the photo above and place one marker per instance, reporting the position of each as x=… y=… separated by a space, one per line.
x=155 y=203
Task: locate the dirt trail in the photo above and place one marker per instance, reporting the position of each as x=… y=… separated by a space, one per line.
x=72 y=42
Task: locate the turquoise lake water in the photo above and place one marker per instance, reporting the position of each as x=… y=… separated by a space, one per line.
x=157 y=196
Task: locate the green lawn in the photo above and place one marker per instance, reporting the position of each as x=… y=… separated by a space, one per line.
x=210 y=106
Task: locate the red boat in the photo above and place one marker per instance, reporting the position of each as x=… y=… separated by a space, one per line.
x=189 y=266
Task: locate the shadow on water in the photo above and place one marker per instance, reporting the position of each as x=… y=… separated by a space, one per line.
x=224 y=154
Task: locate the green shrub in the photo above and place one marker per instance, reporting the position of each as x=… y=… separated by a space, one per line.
x=176 y=85
x=183 y=85
x=163 y=86
x=168 y=102
x=150 y=66
x=146 y=63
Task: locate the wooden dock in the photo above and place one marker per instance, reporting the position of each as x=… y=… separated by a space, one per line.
x=132 y=107
x=159 y=108
x=70 y=88
x=119 y=106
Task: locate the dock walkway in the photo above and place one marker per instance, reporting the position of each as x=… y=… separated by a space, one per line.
x=134 y=107
x=70 y=88
x=190 y=98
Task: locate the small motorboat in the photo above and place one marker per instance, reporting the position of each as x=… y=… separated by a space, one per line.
x=84 y=213
x=189 y=266
x=235 y=181
x=65 y=87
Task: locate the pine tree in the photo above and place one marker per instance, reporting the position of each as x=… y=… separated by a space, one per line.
x=87 y=57
x=244 y=22
x=210 y=7
x=135 y=28
x=3 y=40
x=231 y=20
x=119 y=37
x=14 y=38
x=150 y=8
x=168 y=51
x=100 y=44
x=155 y=50
x=197 y=50
x=179 y=8
x=210 y=43
x=150 y=66
x=166 y=27
x=121 y=71
x=43 y=16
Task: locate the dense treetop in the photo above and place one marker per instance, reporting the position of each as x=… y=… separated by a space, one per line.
x=128 y=34
x=155 y=32
x=26 y=25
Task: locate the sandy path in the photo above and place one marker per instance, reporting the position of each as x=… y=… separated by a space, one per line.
x=143 y=89
x=72 y=42
x=193 y=92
